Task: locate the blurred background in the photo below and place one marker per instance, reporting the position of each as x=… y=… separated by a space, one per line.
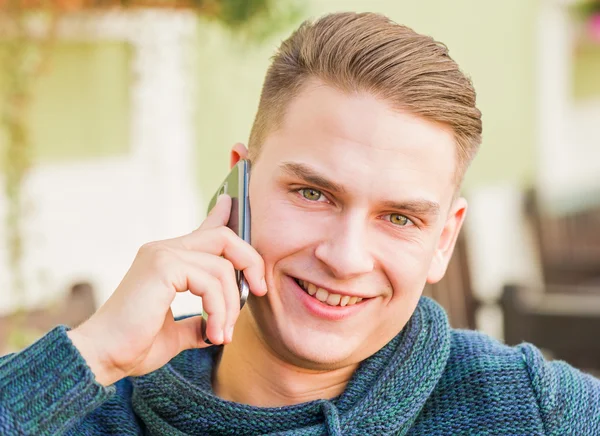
x=117 y=118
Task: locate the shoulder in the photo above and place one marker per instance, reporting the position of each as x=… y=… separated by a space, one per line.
x=484 y=389
x=569 y=399
x=476 y=344
x=484 y=364
x=487 y=358
x=479 y=356
x=520 y=379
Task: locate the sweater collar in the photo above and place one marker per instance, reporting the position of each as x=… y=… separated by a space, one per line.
x=385 y=395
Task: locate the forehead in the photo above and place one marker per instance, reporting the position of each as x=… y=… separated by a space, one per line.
x=360 y=140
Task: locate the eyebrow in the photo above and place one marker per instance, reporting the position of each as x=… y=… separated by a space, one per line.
x=311 y=176
x=419 y=206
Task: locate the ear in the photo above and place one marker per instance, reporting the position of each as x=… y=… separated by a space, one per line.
x=447 y=240
x=238 y=152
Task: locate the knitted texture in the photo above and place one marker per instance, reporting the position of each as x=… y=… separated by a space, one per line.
x=378 y=400
x=429 y=380
x=47 y=387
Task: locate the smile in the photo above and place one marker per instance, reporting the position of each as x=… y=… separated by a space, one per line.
x=327 y=297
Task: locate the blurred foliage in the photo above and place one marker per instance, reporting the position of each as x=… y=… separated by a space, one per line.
x=587 y=12
x=254 y=18
x=21 y=60
x=24 y=55
x=586 y=8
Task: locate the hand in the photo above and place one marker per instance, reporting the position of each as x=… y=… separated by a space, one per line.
x=134 y=332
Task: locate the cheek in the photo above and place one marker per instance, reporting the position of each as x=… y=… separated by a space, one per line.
x=280 y=229
x=406 y=266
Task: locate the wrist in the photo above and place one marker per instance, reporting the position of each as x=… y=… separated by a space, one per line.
x=104 y=374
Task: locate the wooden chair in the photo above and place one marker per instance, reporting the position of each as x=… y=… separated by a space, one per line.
x=568 y=245
x=563 y=322
x=563 y=316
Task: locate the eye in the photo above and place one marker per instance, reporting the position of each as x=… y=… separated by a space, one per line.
x=311 y=194
x=398 y=220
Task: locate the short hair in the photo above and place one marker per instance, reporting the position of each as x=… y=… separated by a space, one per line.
x=369 y=52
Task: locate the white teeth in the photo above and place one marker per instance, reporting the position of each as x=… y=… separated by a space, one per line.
x=334 y=299
x=326 y=297
x=322 y=295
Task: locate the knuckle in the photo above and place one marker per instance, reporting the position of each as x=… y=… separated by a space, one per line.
x=147 y=248
x=150 y=248
x=211 y=287
x=260 y=262
x=225 y=268
x=214 y=284
x=161 y=258
x=225 y=233
x=256 y=263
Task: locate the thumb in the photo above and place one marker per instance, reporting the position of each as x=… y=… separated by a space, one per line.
x=219 y=214
x=189 y=332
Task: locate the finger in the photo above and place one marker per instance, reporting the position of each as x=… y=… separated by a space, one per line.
x=189 y=333
x=224 y=242
x=208 y=287
x=246 y=259
x=218 y=215
x=224 y=271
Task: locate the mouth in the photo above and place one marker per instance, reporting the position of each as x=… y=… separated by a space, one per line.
x=325 y=296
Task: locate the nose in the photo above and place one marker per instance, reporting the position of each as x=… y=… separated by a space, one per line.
x=345 y=250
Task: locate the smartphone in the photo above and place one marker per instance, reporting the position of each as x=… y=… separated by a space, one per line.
x=236 y=186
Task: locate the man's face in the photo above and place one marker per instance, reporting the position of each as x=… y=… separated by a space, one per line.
x=355 y=198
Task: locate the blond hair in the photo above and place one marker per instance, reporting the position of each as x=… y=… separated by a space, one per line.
x=369 y=52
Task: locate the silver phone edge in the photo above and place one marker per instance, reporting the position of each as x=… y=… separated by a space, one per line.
x=242 y=211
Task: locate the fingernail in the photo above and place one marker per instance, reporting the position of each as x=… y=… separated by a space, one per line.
x=230 y=334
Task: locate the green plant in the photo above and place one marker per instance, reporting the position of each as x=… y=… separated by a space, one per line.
x=586 y=8
x=588 y=13
x=23 y=58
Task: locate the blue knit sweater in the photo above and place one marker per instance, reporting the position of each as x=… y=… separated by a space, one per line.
x=429 y=380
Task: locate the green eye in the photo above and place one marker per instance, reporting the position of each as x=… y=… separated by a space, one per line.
x=399 y=220
x=311 y=194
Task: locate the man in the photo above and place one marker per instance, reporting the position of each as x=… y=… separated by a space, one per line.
x=361 y=140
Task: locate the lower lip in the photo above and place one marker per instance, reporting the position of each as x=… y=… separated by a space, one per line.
x=324 y=310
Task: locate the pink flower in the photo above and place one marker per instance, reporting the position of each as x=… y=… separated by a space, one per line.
x=594 y=27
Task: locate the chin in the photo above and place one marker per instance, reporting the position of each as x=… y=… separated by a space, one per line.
x=325 y=352
x=302 y=345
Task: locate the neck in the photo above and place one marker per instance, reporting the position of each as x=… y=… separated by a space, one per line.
x=250 y=372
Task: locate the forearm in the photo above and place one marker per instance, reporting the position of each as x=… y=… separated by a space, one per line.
x=48 y=387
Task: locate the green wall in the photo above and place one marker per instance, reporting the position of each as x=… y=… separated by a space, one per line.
x=586 y=70
x=81 y=109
